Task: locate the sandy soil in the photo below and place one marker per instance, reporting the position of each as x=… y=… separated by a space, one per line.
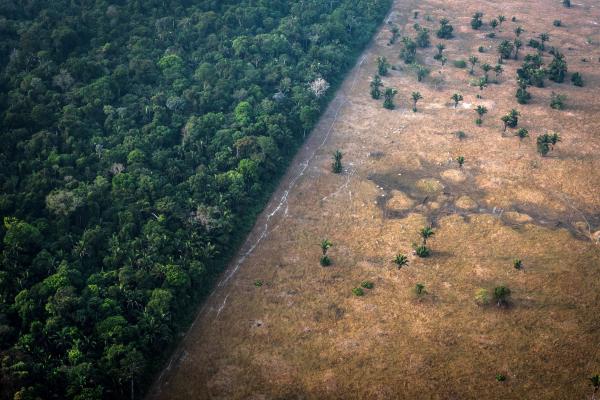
x=303 y=334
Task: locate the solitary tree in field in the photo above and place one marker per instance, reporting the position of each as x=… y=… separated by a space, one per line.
x=382 y=66
x=376 y=84
x=422 y=36
x=336 y=166
x=501 y=295
x=473 y=60
x=325 y=246
x=517 y=43
x=480 y=110
x=416 y=96
x=456 y=98
x=388 y=96
x=400 y=260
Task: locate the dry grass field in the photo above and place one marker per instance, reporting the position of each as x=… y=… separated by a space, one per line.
x=304 y=335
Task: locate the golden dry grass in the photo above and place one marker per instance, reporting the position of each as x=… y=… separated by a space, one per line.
x=304 y=335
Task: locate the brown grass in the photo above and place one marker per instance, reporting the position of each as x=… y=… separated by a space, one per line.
x=304 y=335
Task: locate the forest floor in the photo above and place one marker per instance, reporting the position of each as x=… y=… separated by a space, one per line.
x=303 y=334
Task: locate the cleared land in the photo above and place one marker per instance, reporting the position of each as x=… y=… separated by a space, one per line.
x=303 y=334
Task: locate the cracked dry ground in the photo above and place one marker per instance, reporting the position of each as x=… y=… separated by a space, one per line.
x=303 y=334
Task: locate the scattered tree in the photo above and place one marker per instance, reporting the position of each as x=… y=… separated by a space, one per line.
x=577 y=79
x=546 y=142
x=400 y=260
x=501 y=19
x=481 y=111
x=440 y=48
x=557 y=101
x=445 y=31
x=382 y=66
x=388 y=98
x=595 y=379
x=505 y=49
x=494 y=23
x=557 y=23
x=420 y=289
x=519 y=30
x=421 y=71
x=557 y=69
x=426 y=232
x=473 y=60
x=422 y=38
x=376 y=84
x=522 y=133
x=517 y=263
x=422 y=251
x=486 y=70
x=456 y=98
x=367 y=284
x=544 y=37
x=482 y=297
x=460 y=160
x=395 y=35
x=325 y=246
x=498 y=71
x=501 y=295
x=416 y=96
x=517 y=43
x=358 y=292
x=476 y=20
x=409 y=50
x=336 y=166
x=523 y=96
x=567 y=3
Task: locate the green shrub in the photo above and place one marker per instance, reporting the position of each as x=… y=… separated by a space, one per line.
x=422 y=251
x=325 y=261
x=367 y=284
x=358 y=291
x=460 y=63
x=258 y=283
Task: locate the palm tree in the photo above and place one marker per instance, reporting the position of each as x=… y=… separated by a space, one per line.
x=336 y=166
x=522 y=133
x=473 y=60
x=494 y=24
x=388 y=95
x=506 y=119
x=505 y=49
x=519 y=30
x=460 y=160
x=440 y=48
x=457 y=97
x=382 y=66
x=480 y=110
x=498 y=71
x=426 y=233
x=420 y=289
x=416 y=96
x=400 y=260
x=421 y=71
x=501 y=19
x=375 y=85
x=486 y=70
x=544 y=37
x=325 y=246
x=501 y=295
x=517 y=263
x=518 y=44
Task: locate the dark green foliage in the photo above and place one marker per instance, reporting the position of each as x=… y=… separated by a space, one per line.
x=388 y=96
x=382 y=66
x=460 y=64
x=481 y=49
x=567 y=3
x=258 y=283
x=422 y=38
x=426 y=232
x=473 y=60
x=494 y=23
x=481 y=111
x=522 y=133
x=511 y=119
x=457 y=98
x=422 y=251
x=460 y=160
x=367 y=284
x=476 y=20
x=517 y=263
x=420 y=289
x=557 y=69
x=395 y=35
x=557 y=22
x=557 y=101
x=445 y=31
x=523 y=96
x=376 y=84
x=505 y=49
x=140 y=139
x=595 y=382
x=490 y=35
x=325 y=246
x=546 y=142
x=519 y=30
x=336 y=165
x=416 y=96
x=400 y=260
x=421 y=71
x=500 y=378
x=577 y=79
x=544 y=37
x=501 y=295
x=409 y=50
x=440 y=48
x=461 y=135
x=534 y=43
x=358 y=291
x=532 y=72
x=325 y=261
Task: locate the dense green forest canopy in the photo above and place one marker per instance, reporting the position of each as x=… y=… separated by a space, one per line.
x=139 y=140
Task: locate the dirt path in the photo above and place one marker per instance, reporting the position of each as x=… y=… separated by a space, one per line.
x=302 y=334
